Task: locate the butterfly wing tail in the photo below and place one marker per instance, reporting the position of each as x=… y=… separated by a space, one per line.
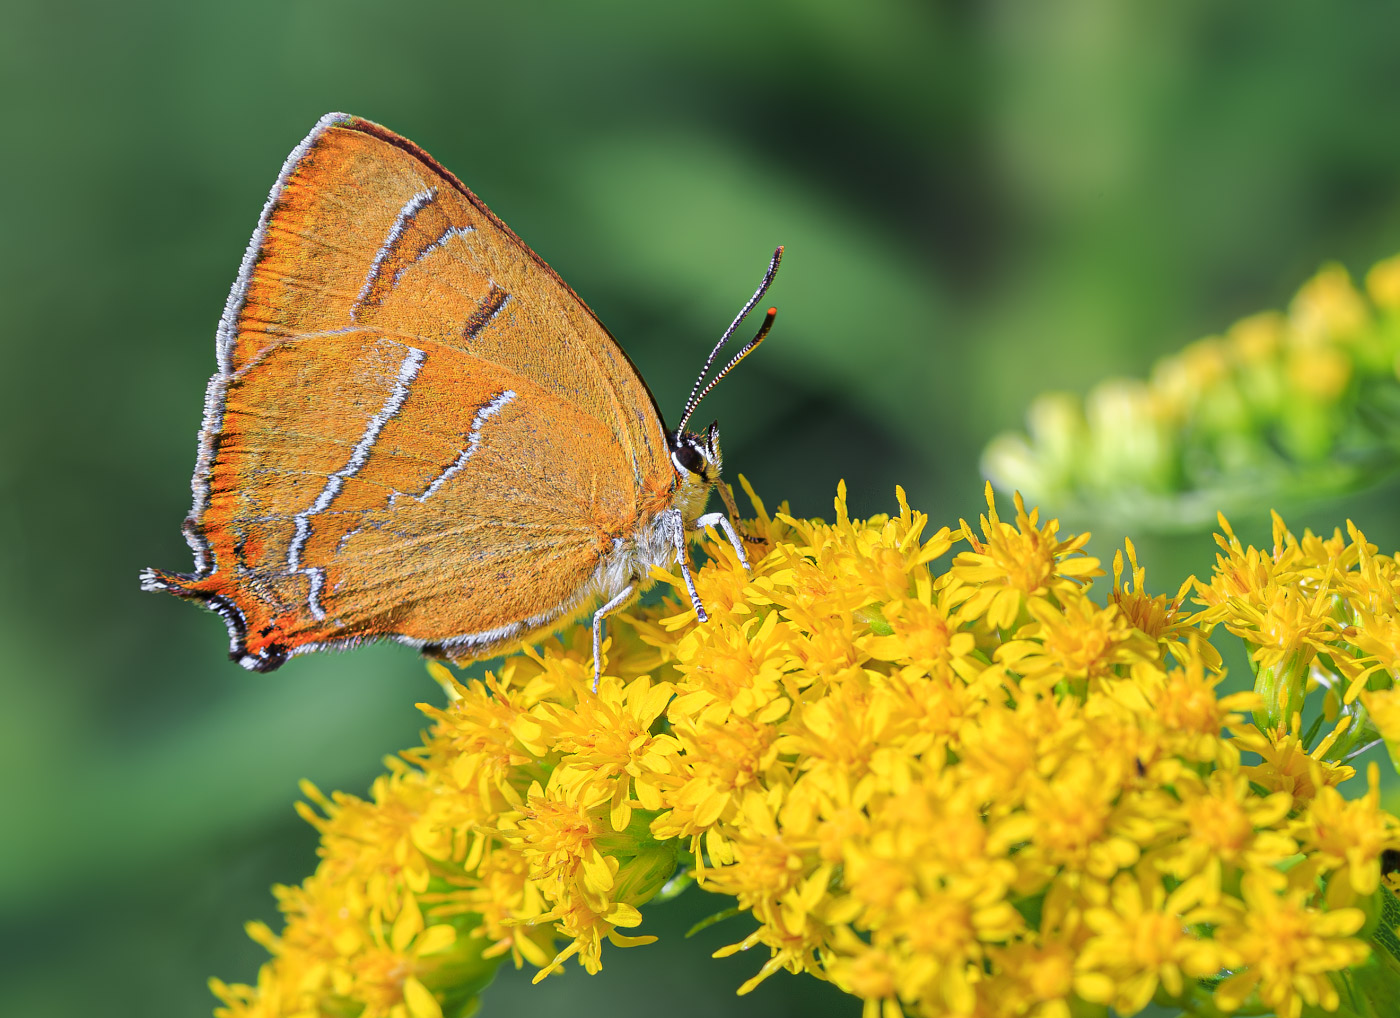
x=268 y=657
x=159 y=581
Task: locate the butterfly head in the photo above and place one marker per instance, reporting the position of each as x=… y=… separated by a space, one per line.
x=697 y=459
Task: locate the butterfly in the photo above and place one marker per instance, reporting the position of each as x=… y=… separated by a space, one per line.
x=418 y=432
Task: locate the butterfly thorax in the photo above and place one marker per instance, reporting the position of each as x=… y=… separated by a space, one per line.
x=696 y=460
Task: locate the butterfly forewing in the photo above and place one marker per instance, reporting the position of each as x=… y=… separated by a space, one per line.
x=417 y=430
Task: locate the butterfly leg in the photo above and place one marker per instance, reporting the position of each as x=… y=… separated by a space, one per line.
x=727 y=525
x=678 y=536
x=598 y=617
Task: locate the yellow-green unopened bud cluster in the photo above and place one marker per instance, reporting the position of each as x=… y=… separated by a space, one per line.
x=1280 y=407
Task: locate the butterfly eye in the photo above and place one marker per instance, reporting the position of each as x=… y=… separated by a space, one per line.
x=689 y=457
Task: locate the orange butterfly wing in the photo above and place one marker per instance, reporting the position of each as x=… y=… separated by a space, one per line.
x=417 y=430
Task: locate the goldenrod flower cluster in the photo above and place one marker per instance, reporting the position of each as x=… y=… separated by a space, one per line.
x=1281 y=407
x=1318 y=613
x=927 y=766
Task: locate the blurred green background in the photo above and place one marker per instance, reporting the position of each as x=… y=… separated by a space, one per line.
x=980 y=201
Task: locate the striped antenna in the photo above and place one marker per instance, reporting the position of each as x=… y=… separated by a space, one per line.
x=694 y=400
x=749 y=348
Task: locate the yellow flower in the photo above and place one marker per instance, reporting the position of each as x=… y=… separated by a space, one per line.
x=586 y=928
x=1244 y=574
x=1288 y=627
x=1035 y=979
x=350 y=941
x=924 y=629
x=1161 y=618
x=1189 y=712
x=1288 y=766
x=1143 y=937
x=869 y=973
x=557 y=839
x=721 y=761
x=1228 y=829
x=1286 y=951
x=1078 y=642
x=1384 y=708
x=1084 y=823
x=607 y=742
x=1349 y=835
x=1010 y=564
